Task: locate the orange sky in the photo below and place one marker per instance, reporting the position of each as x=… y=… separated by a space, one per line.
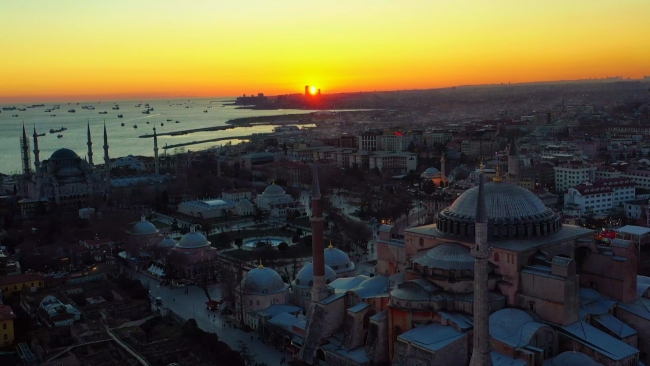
x=59 y=49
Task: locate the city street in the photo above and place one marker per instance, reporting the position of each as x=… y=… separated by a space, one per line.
x=192 y=305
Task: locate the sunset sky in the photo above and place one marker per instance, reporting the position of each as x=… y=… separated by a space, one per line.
x=122 y=48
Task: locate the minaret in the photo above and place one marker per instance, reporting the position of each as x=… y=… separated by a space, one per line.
x=155 y=151
x=443 y=177
x=37 y=165
x=513 y=161
x=318 y=290
x=107 y=164
x=90 y=147
x=37 y=161
x=480 y=252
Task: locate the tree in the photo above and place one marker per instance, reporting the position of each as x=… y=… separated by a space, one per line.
x=239 y=242
x=283 y=246
x=224 y=240
x=245 y=353
x=429 y=187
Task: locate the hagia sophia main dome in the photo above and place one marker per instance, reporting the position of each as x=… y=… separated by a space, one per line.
x=512 y=212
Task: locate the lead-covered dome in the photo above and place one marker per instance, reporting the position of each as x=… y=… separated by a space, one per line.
x=64 y=154
x=446 y=256
x=512 y=212
x=167 y=243
x=143 y=227
x=305 y=277
x=273 y=190
x=192 y=240
x=262 y=281
x=338 y=260
x=572 y=358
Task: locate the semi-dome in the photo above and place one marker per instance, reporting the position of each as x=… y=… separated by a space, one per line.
x=572 y=358
x=143 y=227
x=337 y=259
x=193 y=240
x=64 y=154
x=305 y=276
x=273 y=190
x=262 y=281
x=446 y=256
x=512 y=212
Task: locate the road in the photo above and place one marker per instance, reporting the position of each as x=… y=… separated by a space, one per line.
x=192 y=305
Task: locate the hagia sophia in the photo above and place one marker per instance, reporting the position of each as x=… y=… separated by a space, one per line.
x=498 y=279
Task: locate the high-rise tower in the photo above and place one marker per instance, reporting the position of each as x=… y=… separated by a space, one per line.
x=107 y=164
x=155 y=151
x=90 y=147
x=319 y=289
x=513 y=161
x=480 y=252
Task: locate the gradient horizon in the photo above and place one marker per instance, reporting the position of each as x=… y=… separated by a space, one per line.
x=164 y=48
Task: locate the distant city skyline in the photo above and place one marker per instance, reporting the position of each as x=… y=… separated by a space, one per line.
x=76 y=50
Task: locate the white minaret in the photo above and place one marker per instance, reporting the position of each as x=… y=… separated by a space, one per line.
x=155 y=151
x=90 y=146
x=481 y=252
x=107 y=164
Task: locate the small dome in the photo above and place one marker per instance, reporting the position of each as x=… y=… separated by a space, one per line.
x=430 y=173
x=446 y=256
x=64 y=154
x=262 y=281
x=193 y=240
x=273 y=190
x=167 y=243
x=338 y=260
x=306 y=275
x=143 y=227
x=571 y=358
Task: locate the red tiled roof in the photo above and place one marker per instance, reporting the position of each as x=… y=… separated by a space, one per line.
x=6 y=313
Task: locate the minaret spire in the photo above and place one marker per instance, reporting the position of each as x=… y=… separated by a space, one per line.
x=107 y=164
x=90 y=146
x=319 y=289
x=37 y=161
x=480 y=252
x=155 y=151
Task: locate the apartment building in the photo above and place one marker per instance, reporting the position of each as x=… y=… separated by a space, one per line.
x=601 y=196
x=571 y=174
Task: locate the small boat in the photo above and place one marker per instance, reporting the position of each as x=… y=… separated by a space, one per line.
x=119 y=116
x=48 y=110
x=139 y=105
x=59 y=136
x=52 y=115
x=22 y=109
x=71 y=110
x=104 y=112
x=117 y=107
x=56 y=107
x=146 y=111
x=135 y=126
x=147 y=122
x=8 y=108
x=63 y=128
x=205 y=111
x=146 y=105
x=187 y=106
x=151 y=109
x=122 y=124
x=162 y=124
x=14 y=115
x=40 y=134
x=169 y=120
x=178 y=121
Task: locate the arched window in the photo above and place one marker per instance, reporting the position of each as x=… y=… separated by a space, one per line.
x=258 y=302
x=311 y=283
x=4 y=326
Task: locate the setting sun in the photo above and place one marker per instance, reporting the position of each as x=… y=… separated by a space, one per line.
x=312 y=90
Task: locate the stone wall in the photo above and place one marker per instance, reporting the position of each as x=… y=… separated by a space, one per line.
x=642 y=326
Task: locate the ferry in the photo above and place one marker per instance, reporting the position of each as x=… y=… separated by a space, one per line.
x=22 y=109
x=56 y=107
x=146 y=111
x=286 y=128
x=119 y=116
x=8 y=108
x=71 y=110
x=103 y=112
x=48 y=110
x=116 y=107
x=59 y=136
